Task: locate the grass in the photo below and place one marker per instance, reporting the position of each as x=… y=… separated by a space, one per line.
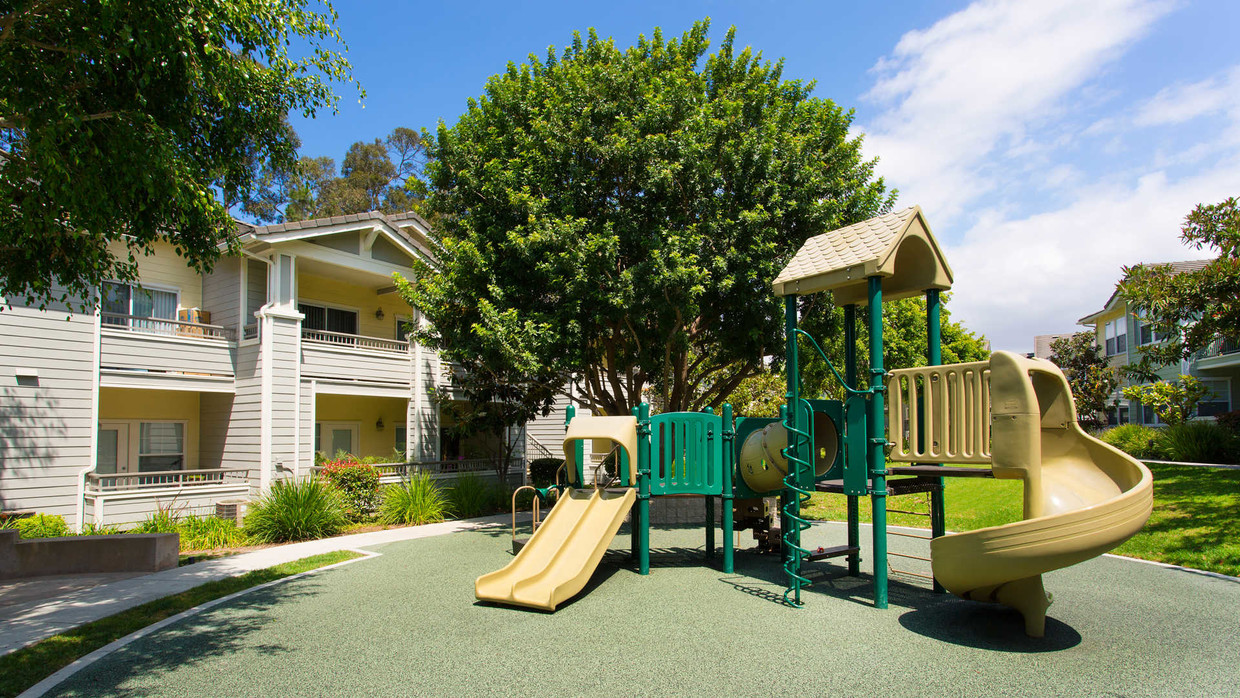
x=24 y=668
x=1194 y=521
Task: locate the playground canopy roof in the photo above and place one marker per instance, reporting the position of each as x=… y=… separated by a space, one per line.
x=897 y=246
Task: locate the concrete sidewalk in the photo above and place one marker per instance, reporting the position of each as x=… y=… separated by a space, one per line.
x=26 y=622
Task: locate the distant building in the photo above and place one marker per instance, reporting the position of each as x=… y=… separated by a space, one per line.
x=1120 y=333
x=1042 y=345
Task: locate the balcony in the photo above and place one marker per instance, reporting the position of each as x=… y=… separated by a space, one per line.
x=172 y=351
x=135 y=495
x=351 y=357
x=1221 y=353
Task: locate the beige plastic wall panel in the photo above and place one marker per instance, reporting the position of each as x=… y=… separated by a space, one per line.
x=940 y=414
x=622 y=430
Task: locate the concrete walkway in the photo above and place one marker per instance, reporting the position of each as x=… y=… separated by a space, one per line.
x=27 y=621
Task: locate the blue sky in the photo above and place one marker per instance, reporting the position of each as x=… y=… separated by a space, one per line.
x=1049 y=143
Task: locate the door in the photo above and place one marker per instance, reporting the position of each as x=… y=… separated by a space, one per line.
x=334 y=437
x=113 y=448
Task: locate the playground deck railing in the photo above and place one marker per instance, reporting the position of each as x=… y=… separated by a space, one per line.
x=940 y=414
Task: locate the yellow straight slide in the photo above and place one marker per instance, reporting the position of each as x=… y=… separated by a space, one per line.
x=1082 y=497
x=562 y=554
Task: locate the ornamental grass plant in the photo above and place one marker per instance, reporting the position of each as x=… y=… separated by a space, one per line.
x=415 y=501
x=302 y=510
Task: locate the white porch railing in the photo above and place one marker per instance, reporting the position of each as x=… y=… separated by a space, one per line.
x=390 y=473
x=161 y=487
x=357 y=341
x=168 y=328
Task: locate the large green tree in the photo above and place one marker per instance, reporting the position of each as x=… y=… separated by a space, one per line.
x=1193 y=309
x=134 y=122
x=1090 y=376
x=617 y=216
x=382 y=175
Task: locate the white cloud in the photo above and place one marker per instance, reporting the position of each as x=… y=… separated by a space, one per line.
x=970 y=88
x=1180 y=103
x=1018 y=277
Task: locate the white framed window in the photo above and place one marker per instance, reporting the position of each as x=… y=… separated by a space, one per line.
x=130 y=305
x=1218 y=400
x=327 y=318
x=1116 y=333
x=161 y=446
x=404 y=327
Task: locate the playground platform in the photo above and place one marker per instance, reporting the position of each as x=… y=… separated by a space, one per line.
x=406 y=623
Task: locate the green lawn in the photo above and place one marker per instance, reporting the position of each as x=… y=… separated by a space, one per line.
x=24 y=668
x=1196 y=519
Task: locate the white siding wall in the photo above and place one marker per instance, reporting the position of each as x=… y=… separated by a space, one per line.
x=284 y=401
x=305 y=451
x=221 y=292
x=241 y=446
x=548 y=431
x=46 y=423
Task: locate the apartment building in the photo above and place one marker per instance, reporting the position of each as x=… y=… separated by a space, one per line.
x=1120 y=335
x=184 y=389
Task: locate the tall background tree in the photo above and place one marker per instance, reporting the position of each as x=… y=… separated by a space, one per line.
x=383 y=175
x=1090 y=376
x=1191 y=309
x=617 y=216
x=137 y=122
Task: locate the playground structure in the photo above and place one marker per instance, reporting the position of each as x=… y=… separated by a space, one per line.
x=1015 y=415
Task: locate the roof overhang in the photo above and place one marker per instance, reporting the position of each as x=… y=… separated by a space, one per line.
x=897 y=247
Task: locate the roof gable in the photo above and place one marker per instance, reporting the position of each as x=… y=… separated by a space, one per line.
x=897 y=246
x=406 y=231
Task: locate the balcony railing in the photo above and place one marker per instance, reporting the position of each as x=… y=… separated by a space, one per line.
x=169 y=328
x=100 y=483
x=354 y=341
x=441 y=470
x=1219 y=347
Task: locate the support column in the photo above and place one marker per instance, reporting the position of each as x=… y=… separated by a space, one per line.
x=710 y=499
x=934 y=356
x=878 y=440
x=850 y=377
x=643 y=489
x=790 y=498
x=729 y=452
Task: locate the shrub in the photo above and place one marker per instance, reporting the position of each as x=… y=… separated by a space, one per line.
x=1229 y=420
x=90 y=529
x=542 y=471
x=210 y=533
x=161 y=521
x=358 y=482
x=473 y=496
x=42 y=526
x=1136 y=440
x=418 y=500
x=297 y=511
x=1200 y=442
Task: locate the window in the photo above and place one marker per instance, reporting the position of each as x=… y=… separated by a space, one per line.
x=1116 y=337
x=1218 y=400
x=402 y=438
x=121 y=300
x=333 y=437
x=404 y=327
x=1118 y=414
x=320 y=317
x=161 y=446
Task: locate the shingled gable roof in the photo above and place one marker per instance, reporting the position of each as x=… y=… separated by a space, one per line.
x=1176 y=268
x=407 y=229
x=897 y=246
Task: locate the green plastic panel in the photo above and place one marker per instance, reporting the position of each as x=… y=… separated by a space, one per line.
x=686 y=453
x=855 y=470
x=823 y=438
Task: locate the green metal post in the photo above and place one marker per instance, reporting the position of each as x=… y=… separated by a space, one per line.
x=571 y=468
x=634 y=535
x=729 y=435
x=850 y=376
x=878 y=441
x=934 y=354
x=796 y=454
x=643 y=489
x=710 y=501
